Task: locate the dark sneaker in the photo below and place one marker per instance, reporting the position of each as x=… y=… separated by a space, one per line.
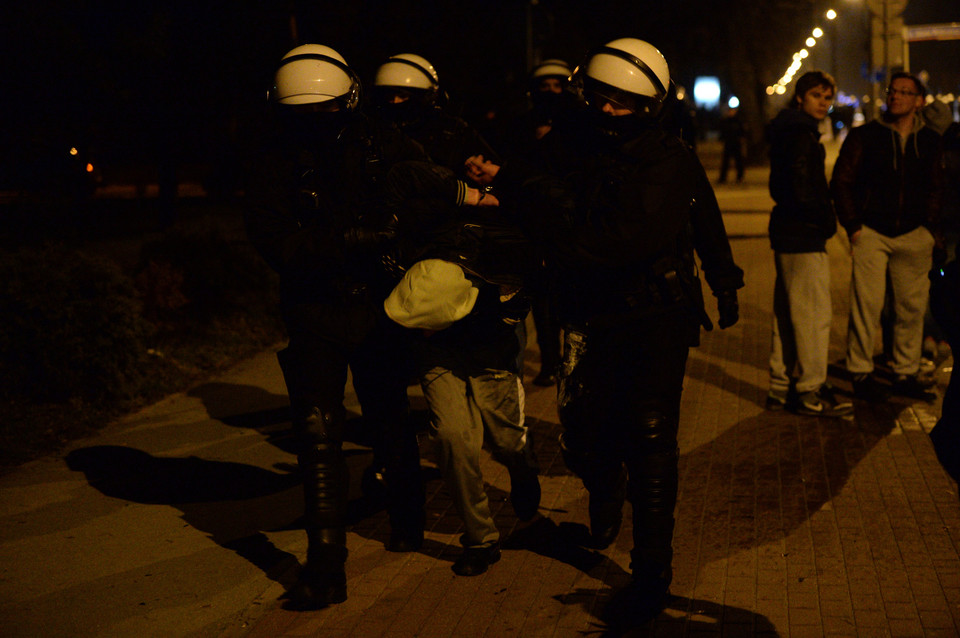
x=545 y=379
x=912 y=388
x=867 y=388
x=776 y=400
x=823 y=403
x=475 y=560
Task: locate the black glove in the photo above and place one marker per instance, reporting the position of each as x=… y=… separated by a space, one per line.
x=360 y=237
x=728 y=308
x=364 y=237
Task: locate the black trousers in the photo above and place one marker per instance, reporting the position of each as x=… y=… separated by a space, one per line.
x=325 y=341
x=548 y=331
x=619 y=405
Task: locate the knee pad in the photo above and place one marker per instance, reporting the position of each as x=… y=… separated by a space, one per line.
x=652 y=463
x=320 y=428
x=653 y=433
x=326 y=483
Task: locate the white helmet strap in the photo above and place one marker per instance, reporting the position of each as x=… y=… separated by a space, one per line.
x=640 y=64
x=433 y=80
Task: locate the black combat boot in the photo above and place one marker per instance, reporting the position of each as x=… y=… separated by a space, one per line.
x=642 y=600
x=323 y=579
x=652 y=492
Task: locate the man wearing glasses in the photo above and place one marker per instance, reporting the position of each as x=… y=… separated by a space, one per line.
x=887 y=186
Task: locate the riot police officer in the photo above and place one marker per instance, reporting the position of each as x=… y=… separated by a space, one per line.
x=407 y=93
x=550 y=102
x=623 y=201
x=321 y=202
x=468 y=370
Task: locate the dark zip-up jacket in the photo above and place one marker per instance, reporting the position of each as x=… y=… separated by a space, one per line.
x=803 y=218
x=892 y=185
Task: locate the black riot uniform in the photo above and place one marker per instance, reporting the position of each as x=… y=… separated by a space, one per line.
x=319 y=211
x=633 y=204
x=550 y=104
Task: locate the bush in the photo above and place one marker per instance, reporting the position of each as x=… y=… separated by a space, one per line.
x=212 y=300
x=83 y=339
x=200 y=277
x=71 y=327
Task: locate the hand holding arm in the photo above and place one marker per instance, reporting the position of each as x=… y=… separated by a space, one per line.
x=480 y=197
x=480 y=170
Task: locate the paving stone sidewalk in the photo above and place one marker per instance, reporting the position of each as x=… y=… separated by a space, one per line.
x=182 y=520
x=786 y=525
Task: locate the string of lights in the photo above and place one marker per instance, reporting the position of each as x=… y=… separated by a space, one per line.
x=781 y=85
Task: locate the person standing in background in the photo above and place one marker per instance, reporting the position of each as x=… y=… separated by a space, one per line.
x=887 y=188
x=802 y=221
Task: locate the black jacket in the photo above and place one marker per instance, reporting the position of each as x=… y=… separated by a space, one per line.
x=891 y=188
x=803 y=218
x=622 y=220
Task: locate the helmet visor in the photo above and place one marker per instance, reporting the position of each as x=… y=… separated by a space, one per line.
x=597 y=94
x=401 y=94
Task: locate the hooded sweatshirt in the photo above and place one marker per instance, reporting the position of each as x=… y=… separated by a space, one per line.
x=886 y=182
x=803 y=218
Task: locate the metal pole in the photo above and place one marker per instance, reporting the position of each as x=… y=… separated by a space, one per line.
x=530 y=60
x=833 y=50
x=886 y=42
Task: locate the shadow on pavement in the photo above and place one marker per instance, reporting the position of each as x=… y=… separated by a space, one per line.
x=761 y=479
x=684 y=617
x=231 y=502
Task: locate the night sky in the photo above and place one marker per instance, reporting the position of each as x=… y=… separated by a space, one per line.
x=179 y=77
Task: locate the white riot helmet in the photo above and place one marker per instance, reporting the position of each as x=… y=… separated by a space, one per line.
x=628 y=72
x=553 y=68
x=411 y=72
x=313 y=73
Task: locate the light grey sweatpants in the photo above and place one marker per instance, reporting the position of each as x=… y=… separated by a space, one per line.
x=801 y=321
x=463 y=408
x=909 y=258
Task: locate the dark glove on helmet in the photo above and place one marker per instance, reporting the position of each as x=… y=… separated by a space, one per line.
x=728 y=308
x=363 y=237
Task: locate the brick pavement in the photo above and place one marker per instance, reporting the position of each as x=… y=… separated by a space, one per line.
x=786 y=525
x=181 y=519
